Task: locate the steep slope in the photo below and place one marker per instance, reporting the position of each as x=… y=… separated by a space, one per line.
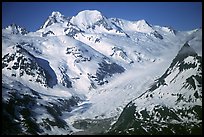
x=173 y=104
x=56 y=17
x=26 y=111
x=21 y=64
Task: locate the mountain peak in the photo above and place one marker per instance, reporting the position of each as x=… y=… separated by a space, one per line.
x=187 y=50
x=143 y=26
x=15 y=29
x=86 y=18
x=90 y=13
x=142 y=21
x=56 y=14
x=56 y=17
x=183 y=53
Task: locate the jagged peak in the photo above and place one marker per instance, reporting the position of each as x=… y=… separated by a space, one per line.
x=186 y=49
x=56 y=14
x=13 y=25
x=16 y=29
x=55 y=17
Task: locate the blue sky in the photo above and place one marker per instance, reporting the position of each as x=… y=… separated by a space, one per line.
x=178 y=15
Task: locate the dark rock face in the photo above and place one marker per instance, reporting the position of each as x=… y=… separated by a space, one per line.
x=157 y=122
x=49 y=72
x=178 y=61
x=184 y=52
x=107 y=69
x=103 y=23
x=30 y=47
x=118 y=28
x=157 y=35
x=78 y=54
x=23 y=111
x=72 y=30
x=65 y=78
x=24 y=63
x=48 y=33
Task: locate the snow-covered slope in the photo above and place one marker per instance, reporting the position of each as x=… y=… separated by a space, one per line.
x=103 y=62
x=173 y=104
x=26 y=111
x=140 y=25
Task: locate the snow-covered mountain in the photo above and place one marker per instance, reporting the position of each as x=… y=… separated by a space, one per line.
x=83 y=70
x=173 y=104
